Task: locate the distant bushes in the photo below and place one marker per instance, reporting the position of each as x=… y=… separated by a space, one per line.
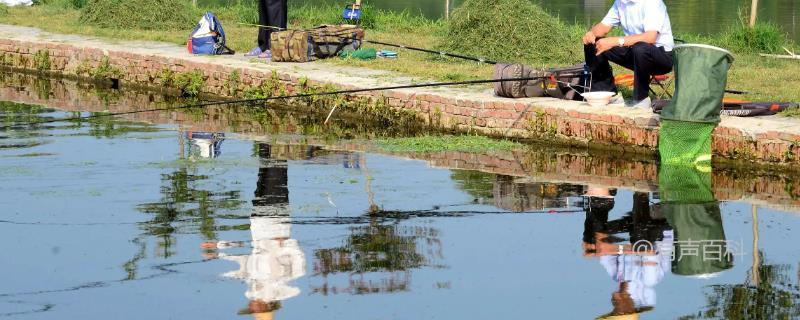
x=763 y=38
x=140 y=14
x=313 y=15
x=61 y=4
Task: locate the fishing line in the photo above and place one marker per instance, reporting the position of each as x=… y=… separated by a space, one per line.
x=255 y=100
x=442 y=53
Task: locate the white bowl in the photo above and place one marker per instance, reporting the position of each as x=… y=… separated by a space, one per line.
x=598 y=98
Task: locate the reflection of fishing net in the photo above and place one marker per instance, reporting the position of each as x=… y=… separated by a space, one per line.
x=700 y=77
x=700 y=244
x=685 y=142
x=689 y=205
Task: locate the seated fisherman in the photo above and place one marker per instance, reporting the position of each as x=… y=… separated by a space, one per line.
x=646 y=47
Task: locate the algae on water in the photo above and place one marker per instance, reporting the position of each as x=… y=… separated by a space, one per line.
x=512 y=31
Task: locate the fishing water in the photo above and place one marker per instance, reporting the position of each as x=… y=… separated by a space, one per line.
x=239 y=212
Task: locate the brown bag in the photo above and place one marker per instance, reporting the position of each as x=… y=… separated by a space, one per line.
x=563 y=83
x=330 y=40
x=518 y=88
x=566 y=83
x=290 y=46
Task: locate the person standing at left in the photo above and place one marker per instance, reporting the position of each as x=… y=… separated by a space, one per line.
x=271 y=13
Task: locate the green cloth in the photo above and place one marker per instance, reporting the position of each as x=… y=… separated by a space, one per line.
x=362 y=54
x=701 y=74
x=689 y=206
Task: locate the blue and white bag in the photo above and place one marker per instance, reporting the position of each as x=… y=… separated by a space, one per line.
x=208 y=37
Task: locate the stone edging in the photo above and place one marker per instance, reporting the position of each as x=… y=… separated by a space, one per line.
x=470 y=109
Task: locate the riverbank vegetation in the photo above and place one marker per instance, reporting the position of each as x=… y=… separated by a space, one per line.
x=526 y=34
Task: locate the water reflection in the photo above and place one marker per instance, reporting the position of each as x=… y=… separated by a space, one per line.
x=377 y=257
x=205 y=144
x=275 y=258
x=636 y=264
x=688 y=203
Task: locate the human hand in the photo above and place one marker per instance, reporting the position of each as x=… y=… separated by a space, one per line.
x=589 y=38
x=605 y=44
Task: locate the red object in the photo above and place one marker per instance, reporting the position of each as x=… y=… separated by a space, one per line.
x=189 y=45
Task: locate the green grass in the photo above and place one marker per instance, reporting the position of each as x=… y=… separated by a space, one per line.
x=139 y=14
x=463 y=143
x=511 y=30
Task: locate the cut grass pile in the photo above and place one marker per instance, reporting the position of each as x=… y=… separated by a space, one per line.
x=463 y=143
x=511 y=30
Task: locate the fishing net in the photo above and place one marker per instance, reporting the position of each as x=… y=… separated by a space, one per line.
x=701 y=74
x=681 y=142
x=688 y=204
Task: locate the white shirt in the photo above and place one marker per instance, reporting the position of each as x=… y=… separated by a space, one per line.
x=641 y=272
x=272 y=264
x=640 y=16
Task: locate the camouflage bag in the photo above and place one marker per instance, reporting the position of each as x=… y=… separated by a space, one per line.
x=518 y=88
x=567 y=83
x=291 y=46
x=563 y=83
x=330 y=40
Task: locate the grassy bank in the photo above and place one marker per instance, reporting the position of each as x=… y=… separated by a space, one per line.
x=765 y=78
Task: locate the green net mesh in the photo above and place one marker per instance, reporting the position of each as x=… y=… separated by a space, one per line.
x=685 y=143
x=684 y=184
x=688 y=204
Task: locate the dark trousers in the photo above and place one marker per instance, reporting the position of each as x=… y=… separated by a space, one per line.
x=270 y=13
x=646 y=60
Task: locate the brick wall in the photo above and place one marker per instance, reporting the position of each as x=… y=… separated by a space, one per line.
x=563 y=122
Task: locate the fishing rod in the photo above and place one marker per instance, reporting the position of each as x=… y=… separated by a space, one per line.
x=255 y=100
x=441 y=53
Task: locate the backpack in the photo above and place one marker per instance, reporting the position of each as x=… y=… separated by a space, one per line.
x=316 y=43
x=208 y=37
x=562 y=83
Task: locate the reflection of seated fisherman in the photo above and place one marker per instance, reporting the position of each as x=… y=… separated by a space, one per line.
x=638 y=266
x=275 y=259
x=205 y=144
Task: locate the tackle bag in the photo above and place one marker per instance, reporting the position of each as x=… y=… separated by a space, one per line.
x=316 y=43
x=330 y=40
x=208 y=37
x=561 y=83
x=291 y=46
x=518 y=88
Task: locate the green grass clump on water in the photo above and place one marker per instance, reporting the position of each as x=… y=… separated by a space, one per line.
x=512 y=30
x=140 y=14
x=463 y=143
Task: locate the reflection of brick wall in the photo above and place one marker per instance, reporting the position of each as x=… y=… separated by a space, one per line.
x=544 y=119
x=528 y=166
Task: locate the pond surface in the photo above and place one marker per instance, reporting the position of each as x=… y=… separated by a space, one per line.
x=236 y=213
